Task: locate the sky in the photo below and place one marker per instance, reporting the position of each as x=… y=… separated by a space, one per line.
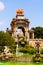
x=33 y=10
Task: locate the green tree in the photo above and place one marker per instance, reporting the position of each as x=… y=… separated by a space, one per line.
x=6 y=40
x=38 y=32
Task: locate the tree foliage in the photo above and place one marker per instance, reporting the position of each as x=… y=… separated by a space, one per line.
x=38 y=32
x=6 y=40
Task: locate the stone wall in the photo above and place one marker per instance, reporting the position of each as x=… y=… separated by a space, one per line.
x=33 y=41
x=23 y=59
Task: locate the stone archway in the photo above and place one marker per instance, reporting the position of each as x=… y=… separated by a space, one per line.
x=19 y=22
x=22 y=30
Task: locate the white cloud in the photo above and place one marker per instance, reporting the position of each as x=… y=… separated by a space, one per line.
x=2 y=6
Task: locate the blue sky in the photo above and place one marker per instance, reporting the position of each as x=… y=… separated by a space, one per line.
x=33 y=10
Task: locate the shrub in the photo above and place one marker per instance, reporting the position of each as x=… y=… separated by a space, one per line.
x=27 y=50
x=32 y=51
x=41 y=51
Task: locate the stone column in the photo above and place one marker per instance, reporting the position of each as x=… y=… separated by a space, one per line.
x=14 y=33
x=26 y=34
x=32 y=35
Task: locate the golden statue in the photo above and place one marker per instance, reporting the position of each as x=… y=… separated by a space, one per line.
x=19 y=11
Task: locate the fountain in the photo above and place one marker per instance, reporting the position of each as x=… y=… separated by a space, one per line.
x=17 y=50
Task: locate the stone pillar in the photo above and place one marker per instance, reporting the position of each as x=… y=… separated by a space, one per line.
x=26 y=34
x=14 y=33
x=32 y=35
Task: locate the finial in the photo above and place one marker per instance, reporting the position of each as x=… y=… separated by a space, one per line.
x=20 y=11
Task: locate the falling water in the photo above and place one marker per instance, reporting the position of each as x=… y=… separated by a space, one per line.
x=17 y=50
